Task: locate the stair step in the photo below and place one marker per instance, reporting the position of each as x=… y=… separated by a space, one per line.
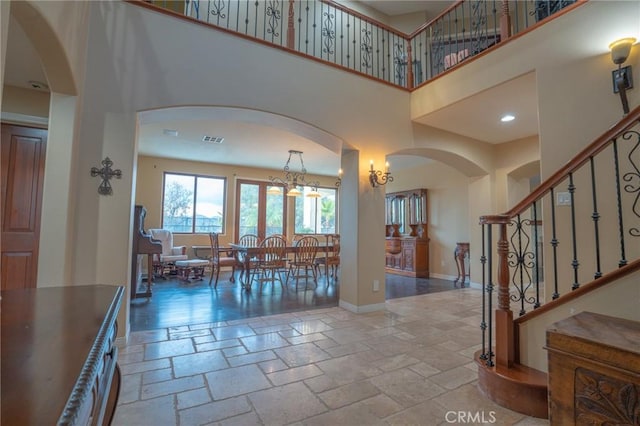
x=518 y=388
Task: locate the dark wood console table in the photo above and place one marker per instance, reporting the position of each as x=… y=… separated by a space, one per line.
x=59 y=355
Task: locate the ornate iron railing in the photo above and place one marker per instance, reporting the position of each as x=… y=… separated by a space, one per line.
x=332 y=33
x=584 y=222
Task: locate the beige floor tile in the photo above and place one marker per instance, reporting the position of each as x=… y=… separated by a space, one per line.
x=139 y=337
x=199 y=362
x=382 y=406
x=155 y=376
x=307 y=338
x=251 y=358
x=210 y=346
x=286 y=404
x=263 y=342
x=157 y=411
x=348 y=369
x=272 y=366
x=410 y=364
x=296 y=374
x=236 y=381
x=155 y=390
x=311 y=326
x=192 y=398
x=168 y=348
x=454 y=378
x=348 y=394
x=301 y=354
x=406 y=387
x=425 y=413
x=213 y=411
x=139 y=367
x=130 y=388
x=248 y=419
x=232 y=332
x=352 y=415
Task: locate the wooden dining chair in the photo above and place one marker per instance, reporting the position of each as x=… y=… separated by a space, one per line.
x=271 y=260
x=306 y=249
x=331 y=259
x=218 y=261
x=247 y=240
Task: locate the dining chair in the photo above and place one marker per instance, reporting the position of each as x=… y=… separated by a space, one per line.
x=271 y=260
x=331 y=258
x=247 y=240
x=218 y=261
x=306 y=249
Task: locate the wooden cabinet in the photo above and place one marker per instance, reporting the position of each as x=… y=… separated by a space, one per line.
x=59 y=359
x=407 y=241
x=594 y=370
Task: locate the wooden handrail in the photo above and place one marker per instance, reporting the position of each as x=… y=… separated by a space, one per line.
x=574 y=164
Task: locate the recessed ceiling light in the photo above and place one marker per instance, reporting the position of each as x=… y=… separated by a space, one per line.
x=170 y=132
x=507 y=117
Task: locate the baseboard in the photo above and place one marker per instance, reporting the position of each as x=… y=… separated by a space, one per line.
x=123 y=340
x=442 y=276
x=452 y=278
x=362 y=308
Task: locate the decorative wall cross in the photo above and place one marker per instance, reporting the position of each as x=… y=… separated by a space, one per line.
x=106 y=173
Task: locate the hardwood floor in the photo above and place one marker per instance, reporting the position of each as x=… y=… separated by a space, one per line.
x=176 y=303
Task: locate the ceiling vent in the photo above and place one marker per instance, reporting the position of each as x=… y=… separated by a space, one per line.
x=212 y=139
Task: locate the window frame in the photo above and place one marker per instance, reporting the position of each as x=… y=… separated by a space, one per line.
x=195 y=177
x=315 y=232
x=263 y=186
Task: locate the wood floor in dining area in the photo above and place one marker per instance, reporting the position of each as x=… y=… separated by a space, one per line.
x=176 y=303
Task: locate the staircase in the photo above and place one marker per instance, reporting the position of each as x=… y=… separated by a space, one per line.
x=583 y=224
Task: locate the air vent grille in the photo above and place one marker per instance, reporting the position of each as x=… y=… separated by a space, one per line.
x=212 y=139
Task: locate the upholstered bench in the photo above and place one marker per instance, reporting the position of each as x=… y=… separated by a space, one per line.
x=186 y=267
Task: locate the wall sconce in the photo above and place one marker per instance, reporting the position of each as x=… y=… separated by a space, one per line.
x=339 y=181
x=622 y=77
x=377 y=177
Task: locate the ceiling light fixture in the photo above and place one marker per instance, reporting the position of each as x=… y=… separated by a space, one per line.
x=293 y=180
x=507 y=118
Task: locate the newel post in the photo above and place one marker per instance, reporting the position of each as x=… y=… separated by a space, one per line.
x=291 y=31
x=504 y=316
x=505 y=21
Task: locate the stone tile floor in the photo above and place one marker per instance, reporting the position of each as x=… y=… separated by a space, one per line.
x=408 y=365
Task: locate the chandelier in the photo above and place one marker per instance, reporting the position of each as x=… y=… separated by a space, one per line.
x=293 y=181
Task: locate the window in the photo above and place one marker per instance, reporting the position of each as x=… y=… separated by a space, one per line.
x=316 y=215
x=193 y=204
x=259 y=212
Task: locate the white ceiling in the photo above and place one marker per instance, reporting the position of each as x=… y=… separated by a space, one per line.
x=476 y=116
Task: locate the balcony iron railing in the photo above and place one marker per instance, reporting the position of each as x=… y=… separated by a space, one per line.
x=332 y=33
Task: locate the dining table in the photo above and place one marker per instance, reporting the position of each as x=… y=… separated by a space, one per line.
x=247 y=254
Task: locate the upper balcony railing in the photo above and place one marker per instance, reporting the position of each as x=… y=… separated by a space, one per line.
x=332 y=33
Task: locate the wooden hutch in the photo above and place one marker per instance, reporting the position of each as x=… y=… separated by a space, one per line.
x=407 y=239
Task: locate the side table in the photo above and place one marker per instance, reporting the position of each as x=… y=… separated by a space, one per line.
x=461 y=253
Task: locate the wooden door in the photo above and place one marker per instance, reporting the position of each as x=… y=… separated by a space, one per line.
x=23 y=155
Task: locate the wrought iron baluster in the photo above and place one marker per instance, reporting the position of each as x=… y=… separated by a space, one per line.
x=366 y=49
x=574 y=262
x=328 y=33
x=616 y=162
x=237 y=17
x=273 y=12
x=483 y=324
x=536 y=254
x=255 y=19
x=399 y=60
x=246 y=19
x=554 y=244
x=478 y=34
x=596 y=217
x=314 y=26
x=520 y=258
x=490 y=298
x=633 y=177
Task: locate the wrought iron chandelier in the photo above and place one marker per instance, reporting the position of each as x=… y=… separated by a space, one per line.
x=293 y=181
